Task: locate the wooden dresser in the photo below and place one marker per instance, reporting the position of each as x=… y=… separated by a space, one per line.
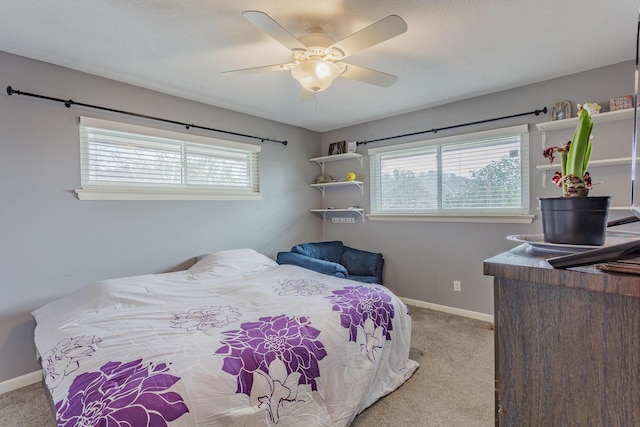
x=567 y=346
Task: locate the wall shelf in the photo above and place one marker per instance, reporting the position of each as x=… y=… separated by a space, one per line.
x=322 y=186
x=336 y=158
x=593 y=163
x=610 y=116
x=324 y=212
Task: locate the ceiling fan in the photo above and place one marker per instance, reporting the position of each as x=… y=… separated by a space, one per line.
x=316 y=56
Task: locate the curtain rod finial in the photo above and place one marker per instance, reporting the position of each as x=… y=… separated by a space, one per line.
x=10 y=90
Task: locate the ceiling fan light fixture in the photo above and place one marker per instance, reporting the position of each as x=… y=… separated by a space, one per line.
x=315 y=75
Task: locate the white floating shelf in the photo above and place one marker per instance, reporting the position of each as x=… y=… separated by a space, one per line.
x=336 y=158
x=594 y=163
x=609 y=116
x=322 y=186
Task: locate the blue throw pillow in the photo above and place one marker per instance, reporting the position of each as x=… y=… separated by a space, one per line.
x=360 y=263
x=328 y=251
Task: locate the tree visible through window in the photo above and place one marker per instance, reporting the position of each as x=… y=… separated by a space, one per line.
x=476 y=173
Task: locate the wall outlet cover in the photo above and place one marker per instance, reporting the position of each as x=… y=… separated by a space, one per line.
x=342 y=220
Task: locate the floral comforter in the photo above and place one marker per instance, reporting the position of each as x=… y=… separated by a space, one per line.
x=247 y=345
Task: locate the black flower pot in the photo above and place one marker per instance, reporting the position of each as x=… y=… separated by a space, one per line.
x=575 y=220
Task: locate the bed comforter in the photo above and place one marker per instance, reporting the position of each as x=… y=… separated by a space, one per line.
x=236 y=340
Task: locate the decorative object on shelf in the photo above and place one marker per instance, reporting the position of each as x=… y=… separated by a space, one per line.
x=351 y=176
x=352 y=146
x=561 y=110
x=322 y=186
x=620 y=103
x=575 y=218
x=337 y=148
x=323 y=179
x=594 y=108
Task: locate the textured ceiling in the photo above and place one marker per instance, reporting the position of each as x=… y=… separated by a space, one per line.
x=452 y=50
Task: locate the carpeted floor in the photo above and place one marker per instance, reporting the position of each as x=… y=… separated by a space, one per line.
x=452 y=387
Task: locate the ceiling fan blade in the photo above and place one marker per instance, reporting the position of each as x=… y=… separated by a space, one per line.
x=367 y=75
x=275 y=30
x=256 y=70
x=375 y=33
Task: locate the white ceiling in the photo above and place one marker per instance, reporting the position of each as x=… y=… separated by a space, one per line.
x=452 y=50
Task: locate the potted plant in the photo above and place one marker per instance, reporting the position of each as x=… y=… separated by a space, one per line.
x=575 y=218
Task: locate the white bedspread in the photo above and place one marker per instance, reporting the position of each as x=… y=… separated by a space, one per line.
x=216 y=346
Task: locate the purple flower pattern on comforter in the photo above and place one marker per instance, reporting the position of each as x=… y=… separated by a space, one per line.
x=65 y=357
x=206 y=318
x=300 y=287
x=367 y=310
x=279 y=352
x=122 y=395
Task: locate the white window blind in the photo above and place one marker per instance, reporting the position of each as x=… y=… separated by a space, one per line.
x=484 y=173
x=122 y=161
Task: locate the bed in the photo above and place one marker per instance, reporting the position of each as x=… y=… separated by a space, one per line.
x=235 y=340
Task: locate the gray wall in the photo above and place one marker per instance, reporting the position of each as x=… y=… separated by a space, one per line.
x=424 y=258
x=52 y=243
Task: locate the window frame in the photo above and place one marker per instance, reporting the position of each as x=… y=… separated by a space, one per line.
x=490 y=215
x=92 y=190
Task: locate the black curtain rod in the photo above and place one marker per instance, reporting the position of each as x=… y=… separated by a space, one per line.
x=68 y=103
x=436 y=130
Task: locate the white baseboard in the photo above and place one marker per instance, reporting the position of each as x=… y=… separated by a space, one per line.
x=21 y=381
x=451 y=310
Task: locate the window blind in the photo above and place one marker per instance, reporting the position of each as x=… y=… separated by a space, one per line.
x=479 y=173
x=118 y=157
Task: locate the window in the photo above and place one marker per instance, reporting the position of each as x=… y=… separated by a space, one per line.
x=121 y=161
x=480 y=174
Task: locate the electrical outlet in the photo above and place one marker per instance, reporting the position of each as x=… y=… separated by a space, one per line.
x=342 y=220
x=456 y=286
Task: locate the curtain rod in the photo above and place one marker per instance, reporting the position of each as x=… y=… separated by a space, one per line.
x=436 y=130
x=68 y=103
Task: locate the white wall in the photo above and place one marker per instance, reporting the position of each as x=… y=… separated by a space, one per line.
x=51 y=243
x=424 y=258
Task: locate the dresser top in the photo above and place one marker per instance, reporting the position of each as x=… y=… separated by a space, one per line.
x=522 y=263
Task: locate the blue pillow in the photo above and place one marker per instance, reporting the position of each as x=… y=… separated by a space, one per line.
x=319 y=265
x=360 y=263
x=328 y=251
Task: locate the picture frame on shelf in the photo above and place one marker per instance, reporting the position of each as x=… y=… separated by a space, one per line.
x=561 y=110
x=337 y=148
